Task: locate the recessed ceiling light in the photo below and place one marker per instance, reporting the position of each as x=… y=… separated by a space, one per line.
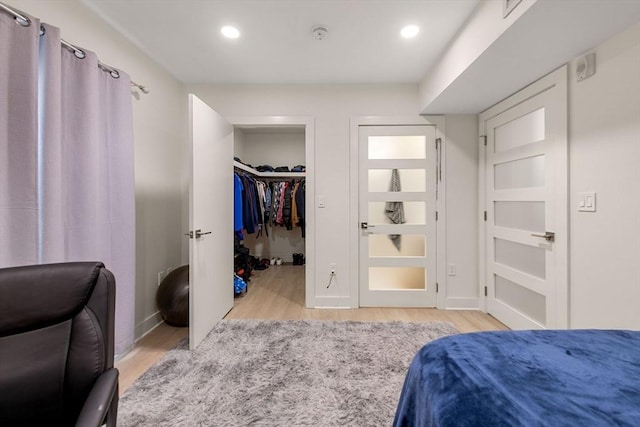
x=410 y=31
x=230 y=32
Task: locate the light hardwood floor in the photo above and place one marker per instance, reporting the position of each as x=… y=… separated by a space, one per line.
x=277 y=293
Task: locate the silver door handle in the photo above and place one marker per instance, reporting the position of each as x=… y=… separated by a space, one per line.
x=190 y=234
x=549 y=236
x=199 y=233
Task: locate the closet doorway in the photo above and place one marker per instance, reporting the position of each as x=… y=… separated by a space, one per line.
x=211 y=151
x=276 y=153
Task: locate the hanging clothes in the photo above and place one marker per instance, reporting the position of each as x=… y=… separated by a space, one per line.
x=261 y=195
x=299 y=198
x=248 y=206
x=294 y=205
x=286 y=209
x=238 y=224
x=259 y=205
x=395 y=210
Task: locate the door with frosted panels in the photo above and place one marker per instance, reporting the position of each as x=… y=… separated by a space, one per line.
x=397 y=216
x=520 y=198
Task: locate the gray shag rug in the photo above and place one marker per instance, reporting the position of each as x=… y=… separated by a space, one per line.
x=281 y=373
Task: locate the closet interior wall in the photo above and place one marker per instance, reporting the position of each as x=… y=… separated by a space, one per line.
x=274 y=146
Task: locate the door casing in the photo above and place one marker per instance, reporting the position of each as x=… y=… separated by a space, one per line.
x=308 y=123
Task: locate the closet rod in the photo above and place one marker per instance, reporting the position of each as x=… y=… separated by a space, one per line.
x=24 y=21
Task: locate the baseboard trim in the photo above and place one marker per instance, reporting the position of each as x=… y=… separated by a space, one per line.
x=141 y=330
x=332 y=302
x=463 y=303
x=147 y=325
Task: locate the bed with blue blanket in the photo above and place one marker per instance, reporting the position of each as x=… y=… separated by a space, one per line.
x=525 y=378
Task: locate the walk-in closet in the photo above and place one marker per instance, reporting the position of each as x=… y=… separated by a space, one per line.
x=270 y=190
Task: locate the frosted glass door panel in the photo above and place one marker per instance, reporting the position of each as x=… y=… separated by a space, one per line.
x=411 y=245
x=395 y=273
x=521 y=131
x=411 y=180
x=414 y=213
x=397 y=147
x=522 y=173
x=520 y=215
x=524 y=258
x=524 y=300
x=396 y=278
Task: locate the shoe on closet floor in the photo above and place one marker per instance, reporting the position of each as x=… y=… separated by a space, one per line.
x=273 y=261
x=278 y=261
x=298 y=259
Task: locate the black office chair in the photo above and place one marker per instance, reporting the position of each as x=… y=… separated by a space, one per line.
x=56 y=345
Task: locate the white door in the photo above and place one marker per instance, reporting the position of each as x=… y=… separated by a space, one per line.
x=397 y=205
x=210 y=220
x=526 y=206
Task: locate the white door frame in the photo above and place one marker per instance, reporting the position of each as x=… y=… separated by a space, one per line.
x=354 y=221
x=310 y=232
x=557 y=80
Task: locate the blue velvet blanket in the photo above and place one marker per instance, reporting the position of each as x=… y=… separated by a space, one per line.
x=525 y=378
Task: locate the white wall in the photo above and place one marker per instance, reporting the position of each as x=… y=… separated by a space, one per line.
x=332 y=106
x=275 y=149
x=160 y=129
x=482 y=29
x=238 y=144
x=461 y=146
x=604 y=144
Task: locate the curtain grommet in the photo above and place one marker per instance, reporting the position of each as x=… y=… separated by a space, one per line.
x=23 y=21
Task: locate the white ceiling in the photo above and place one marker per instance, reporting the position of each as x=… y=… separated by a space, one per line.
x=363 y=45
x=276 y=43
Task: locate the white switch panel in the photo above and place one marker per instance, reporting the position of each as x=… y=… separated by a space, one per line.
x=321 y=202
x=587 y=202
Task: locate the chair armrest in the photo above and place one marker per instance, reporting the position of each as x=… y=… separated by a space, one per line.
x=95 y=408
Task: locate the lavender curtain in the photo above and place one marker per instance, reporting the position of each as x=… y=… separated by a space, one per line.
x=18 y=142
x=79 y=178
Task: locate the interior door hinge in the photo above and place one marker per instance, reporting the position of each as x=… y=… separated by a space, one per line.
x=485 y=215
x=484 y=137
x=485 y=291
x=436 y=215
x=437 y=287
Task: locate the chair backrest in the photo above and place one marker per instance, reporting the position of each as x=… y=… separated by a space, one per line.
x=56 y=338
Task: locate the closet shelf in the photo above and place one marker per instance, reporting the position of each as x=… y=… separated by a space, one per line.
x=252 y=171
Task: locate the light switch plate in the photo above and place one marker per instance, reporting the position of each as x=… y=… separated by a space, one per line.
x=587 y=201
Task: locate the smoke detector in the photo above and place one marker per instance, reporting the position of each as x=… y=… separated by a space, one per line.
x=319 y=32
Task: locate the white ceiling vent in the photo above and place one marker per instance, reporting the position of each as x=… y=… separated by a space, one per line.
x=508 y=6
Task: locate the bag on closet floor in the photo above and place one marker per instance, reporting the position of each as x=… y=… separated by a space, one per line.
x=239 y=285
